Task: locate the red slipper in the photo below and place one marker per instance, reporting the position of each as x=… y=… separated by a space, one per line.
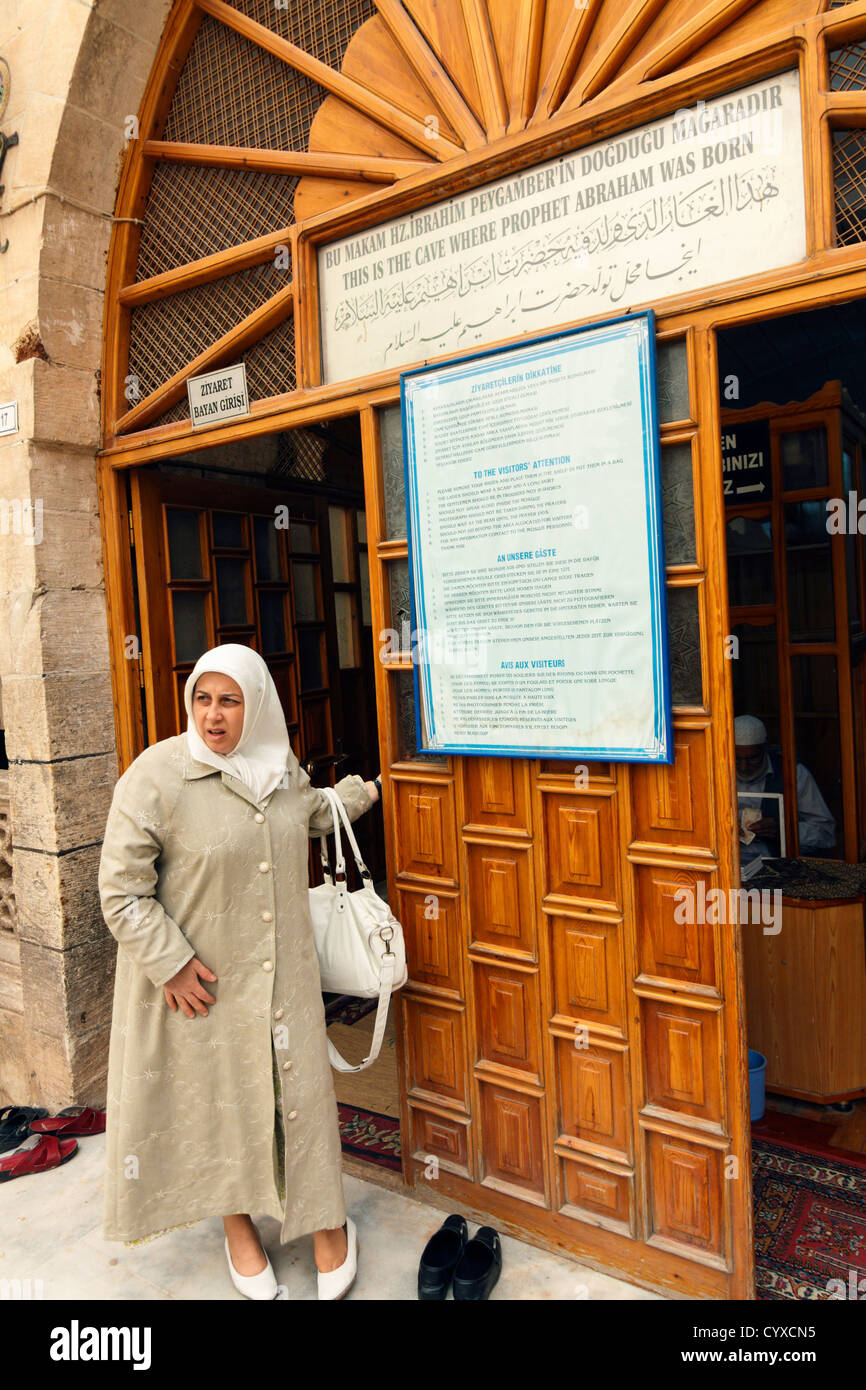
x=46 y=1153
x=78 y=1120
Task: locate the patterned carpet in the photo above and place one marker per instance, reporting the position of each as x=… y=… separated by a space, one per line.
x=810 y=1223
x=375 y=1138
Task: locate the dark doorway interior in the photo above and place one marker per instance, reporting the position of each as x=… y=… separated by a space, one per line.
x=265 y=543
x=793 y=405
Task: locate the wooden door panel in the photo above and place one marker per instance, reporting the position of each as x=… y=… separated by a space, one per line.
x=673 y=804
x=507 y=1020
x=437 y=1050
x=501 y=909
x=498 y=794
x=601 y=1196
x=447 y=1138
x=582 y=848
x=683 y=1060
x=317 y=728
x=593 y=1084
x=686 y=1210
x=512 y=1144
x=431 y=927
x=426 y=841
x=671 y=948
x=587 y=972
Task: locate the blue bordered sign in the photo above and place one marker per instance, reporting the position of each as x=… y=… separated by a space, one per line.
x=536 y=559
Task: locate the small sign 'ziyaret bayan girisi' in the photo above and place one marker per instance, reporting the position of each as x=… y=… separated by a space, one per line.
x=218 y=396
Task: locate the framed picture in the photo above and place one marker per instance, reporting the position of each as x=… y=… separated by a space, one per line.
x=766 y=796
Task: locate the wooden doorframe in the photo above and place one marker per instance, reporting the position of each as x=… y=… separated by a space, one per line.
x=703 y=328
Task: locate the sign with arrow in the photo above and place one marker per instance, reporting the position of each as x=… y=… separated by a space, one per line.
x=746 y=471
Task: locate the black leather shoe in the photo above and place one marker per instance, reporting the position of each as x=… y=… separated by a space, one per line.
x=480 y=1265
x=441 y=1254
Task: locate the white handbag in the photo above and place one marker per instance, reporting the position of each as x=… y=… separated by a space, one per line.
x=359 y=941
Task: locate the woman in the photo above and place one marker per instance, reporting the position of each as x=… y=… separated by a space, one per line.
x=220 y=1094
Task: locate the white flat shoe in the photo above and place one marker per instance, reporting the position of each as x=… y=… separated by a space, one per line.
x=261 y=1286
x=337 y=1282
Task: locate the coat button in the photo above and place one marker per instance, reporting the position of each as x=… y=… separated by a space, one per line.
x=267 y=917
x=287 y=1066
x=267 y=965
x=278 y=1014
x=264 y=866
x=259 y=817
x=292 y=1115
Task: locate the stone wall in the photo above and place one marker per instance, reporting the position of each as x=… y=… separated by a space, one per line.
x=11 y=996
x=78 y=69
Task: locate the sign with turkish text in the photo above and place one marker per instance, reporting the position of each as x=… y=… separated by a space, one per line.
x=746 y=468
x=218 y=396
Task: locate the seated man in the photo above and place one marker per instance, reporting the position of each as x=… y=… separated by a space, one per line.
x=758 y=772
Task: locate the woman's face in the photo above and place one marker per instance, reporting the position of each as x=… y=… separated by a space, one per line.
x=218 y=710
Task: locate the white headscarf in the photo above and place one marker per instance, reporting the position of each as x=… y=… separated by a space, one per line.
x=263 y=753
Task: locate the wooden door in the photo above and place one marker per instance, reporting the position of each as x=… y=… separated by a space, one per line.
x=214 y=566
x=573 y=1058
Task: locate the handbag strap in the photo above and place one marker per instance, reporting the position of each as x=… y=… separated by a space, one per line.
x=389 y=960
x=339 y=861
x=386 y=981
x=338 y=809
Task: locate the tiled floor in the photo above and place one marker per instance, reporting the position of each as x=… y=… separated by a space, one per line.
x=50 y=1231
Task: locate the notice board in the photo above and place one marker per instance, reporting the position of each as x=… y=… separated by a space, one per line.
x=536 y=549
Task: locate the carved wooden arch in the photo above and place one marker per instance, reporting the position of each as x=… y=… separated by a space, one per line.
x=423 y=84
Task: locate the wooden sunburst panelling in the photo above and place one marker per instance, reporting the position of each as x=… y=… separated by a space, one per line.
x=260 y=117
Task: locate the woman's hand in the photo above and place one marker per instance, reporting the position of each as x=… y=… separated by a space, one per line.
x=372 y=790
x=185 y=988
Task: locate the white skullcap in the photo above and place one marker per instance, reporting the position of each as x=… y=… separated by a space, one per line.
x=749 y=730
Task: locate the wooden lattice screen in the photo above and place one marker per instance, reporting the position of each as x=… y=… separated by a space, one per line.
x=230 y=93
x=320 y=27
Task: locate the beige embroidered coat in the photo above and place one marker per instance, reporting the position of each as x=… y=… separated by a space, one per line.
x=192 y=866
